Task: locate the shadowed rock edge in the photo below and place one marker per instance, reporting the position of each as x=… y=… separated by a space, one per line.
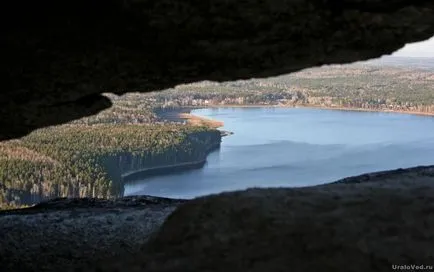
x=59 y=57
x=361 y=223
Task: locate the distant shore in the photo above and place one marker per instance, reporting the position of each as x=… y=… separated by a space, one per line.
x=319 y=107
x=370 y=110
x=183 y=114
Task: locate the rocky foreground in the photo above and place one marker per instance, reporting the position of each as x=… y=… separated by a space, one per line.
x=365 y=223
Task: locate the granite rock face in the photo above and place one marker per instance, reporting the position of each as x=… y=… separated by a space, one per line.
x=363 y=223
x=58 y=56
x=62 y=233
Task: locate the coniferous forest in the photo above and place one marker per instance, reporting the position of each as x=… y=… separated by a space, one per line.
x=89 y=161
x=90 y=157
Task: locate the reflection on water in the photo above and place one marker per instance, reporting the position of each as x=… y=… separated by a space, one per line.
x=298 y=147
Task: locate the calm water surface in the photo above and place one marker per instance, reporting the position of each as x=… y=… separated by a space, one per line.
x=273 y=147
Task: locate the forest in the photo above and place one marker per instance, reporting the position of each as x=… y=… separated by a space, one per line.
x=338 y=86
x=89 y=156
x=88 y=161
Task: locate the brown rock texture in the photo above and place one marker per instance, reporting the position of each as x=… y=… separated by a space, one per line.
x=366 y=223
x=59 y=56
x=62 y=233
x=363 y=223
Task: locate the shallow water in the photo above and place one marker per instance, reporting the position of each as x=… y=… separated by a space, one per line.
x=293 y=147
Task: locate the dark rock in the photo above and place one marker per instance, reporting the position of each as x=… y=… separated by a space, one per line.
x=64 y=233
x=76 y=204
x=59 y=56
x=345 y=226
x=352 y=226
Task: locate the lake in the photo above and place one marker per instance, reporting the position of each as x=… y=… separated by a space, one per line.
x=293 y=147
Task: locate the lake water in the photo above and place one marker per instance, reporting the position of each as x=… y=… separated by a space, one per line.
x=293 y=147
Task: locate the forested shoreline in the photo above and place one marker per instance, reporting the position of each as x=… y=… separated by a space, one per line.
x=358 y=87
x=77 y=161
x=87 y=157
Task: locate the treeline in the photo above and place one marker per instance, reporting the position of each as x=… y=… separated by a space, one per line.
x=88 y=157
x=351 y=86
x=365 y=86
x=227 y=95
x=88 y=161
